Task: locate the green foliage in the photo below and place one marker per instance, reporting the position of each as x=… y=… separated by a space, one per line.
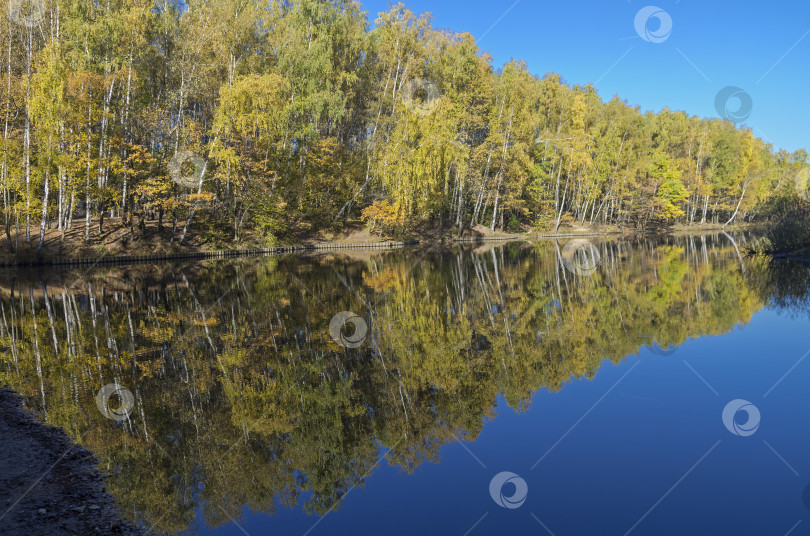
x=789 y=234
x=299 y=109
x=671 y=192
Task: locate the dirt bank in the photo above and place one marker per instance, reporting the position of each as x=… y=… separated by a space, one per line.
x=119 y=240
x=49 y=485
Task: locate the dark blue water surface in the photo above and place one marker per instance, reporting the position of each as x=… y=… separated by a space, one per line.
x=640 y=449
x=598 y=378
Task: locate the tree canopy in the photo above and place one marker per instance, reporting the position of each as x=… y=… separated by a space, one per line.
x=311 y=115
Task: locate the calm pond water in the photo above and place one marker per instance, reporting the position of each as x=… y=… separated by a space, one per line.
x=625 y=387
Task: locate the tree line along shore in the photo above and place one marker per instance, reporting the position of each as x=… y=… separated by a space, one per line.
x=236 y=122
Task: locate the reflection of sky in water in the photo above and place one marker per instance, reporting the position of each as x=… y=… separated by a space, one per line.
x=622 y=458
x=633 y=444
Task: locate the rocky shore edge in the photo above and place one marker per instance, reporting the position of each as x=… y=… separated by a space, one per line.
x=48 y=484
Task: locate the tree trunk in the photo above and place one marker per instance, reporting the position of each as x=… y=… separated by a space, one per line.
x=44 y=216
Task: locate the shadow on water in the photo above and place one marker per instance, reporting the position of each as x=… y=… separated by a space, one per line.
x=274 y=383
x=783 y=284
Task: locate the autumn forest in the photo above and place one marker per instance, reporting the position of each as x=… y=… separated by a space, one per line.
x=270 y=120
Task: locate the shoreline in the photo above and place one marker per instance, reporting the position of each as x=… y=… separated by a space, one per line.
x=791 y=257
x=194 y=252
x=196 y=255
x=45 y=492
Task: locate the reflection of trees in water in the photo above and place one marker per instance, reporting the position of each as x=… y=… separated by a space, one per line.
x=784 y=284
x=243 y=398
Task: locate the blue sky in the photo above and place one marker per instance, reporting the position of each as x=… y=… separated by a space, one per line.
x=762 y=47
